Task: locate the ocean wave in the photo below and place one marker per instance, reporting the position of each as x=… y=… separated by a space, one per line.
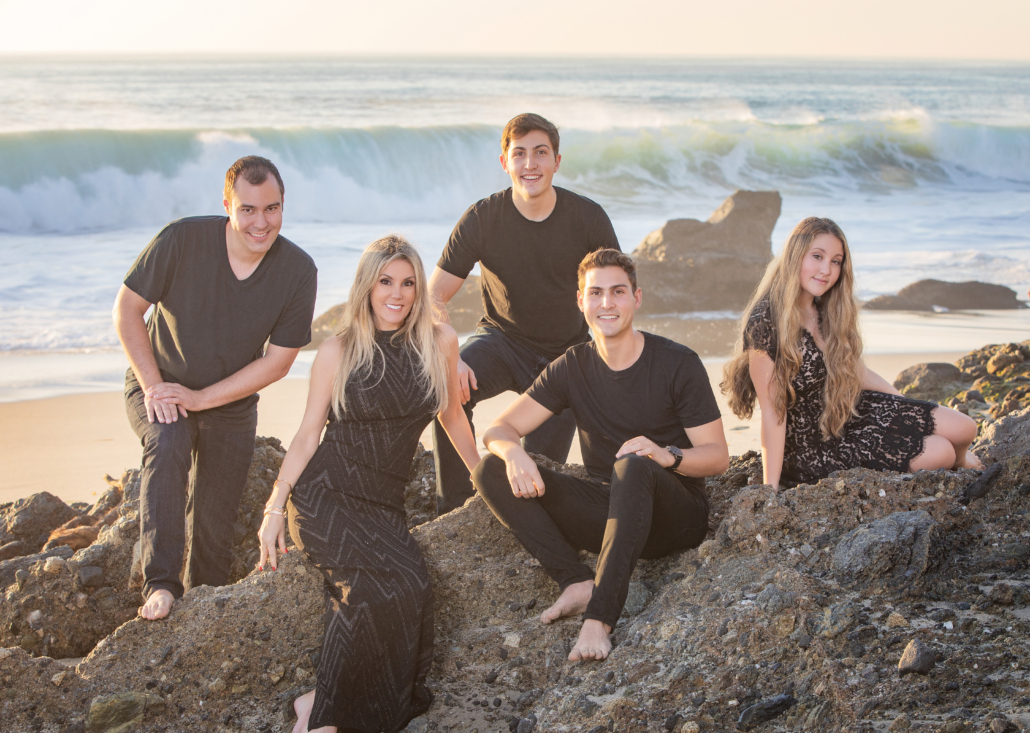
x=90 y=180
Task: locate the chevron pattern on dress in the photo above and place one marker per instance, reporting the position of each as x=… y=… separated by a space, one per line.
x=347 y=515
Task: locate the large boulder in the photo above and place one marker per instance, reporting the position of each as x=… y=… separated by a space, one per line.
x=899 y=547
x=32 y=519
x=689 y=265
x=929 y=381
x=1006 y=438
x=925 y=294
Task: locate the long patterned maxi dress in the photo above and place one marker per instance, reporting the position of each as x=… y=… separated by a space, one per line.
x=347 y=515
x=887 y=432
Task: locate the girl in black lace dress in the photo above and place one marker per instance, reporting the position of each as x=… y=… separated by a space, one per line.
x=800 y=355
x=380 y=380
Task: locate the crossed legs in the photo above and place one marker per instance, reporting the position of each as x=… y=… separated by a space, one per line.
x=948 y=447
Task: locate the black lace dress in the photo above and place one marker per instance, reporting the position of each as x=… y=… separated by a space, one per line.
x=886 y=434
x=347 y=515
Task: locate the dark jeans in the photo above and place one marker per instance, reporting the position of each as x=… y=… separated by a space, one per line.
x=500 y=365
x=645 y=512
x=191 y=483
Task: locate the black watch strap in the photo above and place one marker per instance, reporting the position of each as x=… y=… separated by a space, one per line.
x=677 y=454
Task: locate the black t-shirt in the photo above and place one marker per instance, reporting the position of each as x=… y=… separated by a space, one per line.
x=529 y=267
x=206 y=324
x=663 y=392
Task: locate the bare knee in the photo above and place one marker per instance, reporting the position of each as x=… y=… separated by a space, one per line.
x=953 y=425
x=938 y=452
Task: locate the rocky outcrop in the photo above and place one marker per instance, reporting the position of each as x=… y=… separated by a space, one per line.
x=31 y=520
x=691 y=265
x=925 y=294
x=866 y=601
x=986 y=384
x=750 y=631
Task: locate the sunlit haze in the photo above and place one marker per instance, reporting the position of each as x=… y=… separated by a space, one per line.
x=930 y=29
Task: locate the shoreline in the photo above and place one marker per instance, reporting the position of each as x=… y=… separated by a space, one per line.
x=66 y=444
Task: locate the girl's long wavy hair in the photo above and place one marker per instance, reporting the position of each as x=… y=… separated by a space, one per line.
x=357 y=332
x=838 y=310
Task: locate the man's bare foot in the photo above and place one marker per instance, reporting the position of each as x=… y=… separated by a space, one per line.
x=572 y=602
x=158 y=604
x=970 y=460
x=593 y=641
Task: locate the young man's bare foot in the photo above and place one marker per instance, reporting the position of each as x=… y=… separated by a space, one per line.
x=158 y=604
x=572 y=602
x=593 y=641
x=970 y=460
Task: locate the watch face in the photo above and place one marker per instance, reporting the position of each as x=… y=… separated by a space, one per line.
x=675 y=451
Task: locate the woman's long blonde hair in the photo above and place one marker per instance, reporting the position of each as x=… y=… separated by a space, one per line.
x=357 y=332
x=838 y=312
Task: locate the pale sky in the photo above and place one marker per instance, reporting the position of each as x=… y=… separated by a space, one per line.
x=934 y=29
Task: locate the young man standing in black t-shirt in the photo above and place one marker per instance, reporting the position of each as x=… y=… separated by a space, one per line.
x=528 y=241
x=650 y=430
x=221 y=287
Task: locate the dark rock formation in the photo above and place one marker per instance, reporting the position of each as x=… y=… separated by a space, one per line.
x=986 y=384
x=925 y=294
x=32 y=519
x=690 y=265
x=901 y=547
x=917 y=658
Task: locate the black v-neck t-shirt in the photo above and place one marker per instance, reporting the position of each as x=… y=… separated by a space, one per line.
x=206 y=324
x=660 y=394
x=529 y=267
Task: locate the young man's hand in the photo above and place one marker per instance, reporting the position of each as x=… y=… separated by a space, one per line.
x=647 y=448
x=523 y=474
x=466 y=380
x=171 y=393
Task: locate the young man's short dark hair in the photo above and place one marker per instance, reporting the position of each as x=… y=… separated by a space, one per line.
x=254 y=170
x=607 y=258
x=524 y=124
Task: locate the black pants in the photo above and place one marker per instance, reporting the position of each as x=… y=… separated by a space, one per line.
x=645 y=512
x=191 y=482
x=500 y=365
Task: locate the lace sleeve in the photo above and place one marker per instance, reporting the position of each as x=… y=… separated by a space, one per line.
x=759 y=333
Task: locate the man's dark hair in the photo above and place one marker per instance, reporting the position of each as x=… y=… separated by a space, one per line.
x=255 y=170
x=523 y=125
x=607 y=258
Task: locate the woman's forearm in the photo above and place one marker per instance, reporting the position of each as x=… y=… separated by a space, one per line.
x=774 y=434
x=457 y=427
x=296 y=460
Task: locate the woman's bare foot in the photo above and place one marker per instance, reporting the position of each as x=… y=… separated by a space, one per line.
x=970 y=460
x=158 y=604
x=572 y=602
x=593 y=641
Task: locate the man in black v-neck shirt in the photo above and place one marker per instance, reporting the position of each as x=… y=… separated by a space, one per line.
x=528 y=241
x=650 y=431
x=220 y=287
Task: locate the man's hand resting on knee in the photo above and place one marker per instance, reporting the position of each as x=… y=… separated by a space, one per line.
x=523 y=474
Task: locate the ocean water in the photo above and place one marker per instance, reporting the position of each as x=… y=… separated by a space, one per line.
x=925 y=166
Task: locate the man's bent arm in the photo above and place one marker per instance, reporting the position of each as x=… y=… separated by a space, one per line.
x=129 y=309
x=257 y=375
x=442 y=287
x=503 y=437
x=709 y=455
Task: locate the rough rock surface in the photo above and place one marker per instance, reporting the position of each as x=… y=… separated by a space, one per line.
x=32 y=519
x=925 y=294
x=755 y=618
x=85 y=596
x=986 y=384
x=690 y=265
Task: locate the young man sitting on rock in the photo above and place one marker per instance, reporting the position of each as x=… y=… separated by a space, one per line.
x=649 y=430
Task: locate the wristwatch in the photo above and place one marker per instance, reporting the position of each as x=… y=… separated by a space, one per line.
x=677 y=454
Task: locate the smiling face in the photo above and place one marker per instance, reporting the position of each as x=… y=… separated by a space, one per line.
x=531 y=162
x=820 y=269
x=393 y=295
x=255 y=216
x=608 y=301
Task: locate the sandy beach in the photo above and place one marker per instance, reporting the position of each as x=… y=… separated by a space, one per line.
x=66 y=444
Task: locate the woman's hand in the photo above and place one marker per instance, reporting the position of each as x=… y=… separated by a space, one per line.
x=272 y=533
